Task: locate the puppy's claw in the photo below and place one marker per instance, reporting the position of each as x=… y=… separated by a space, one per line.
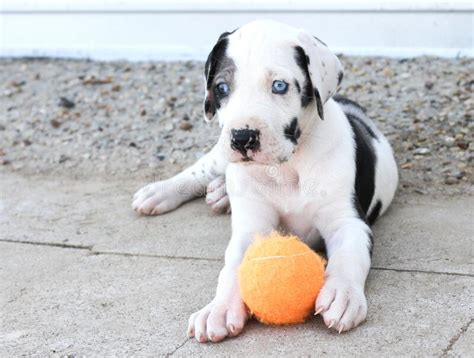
x=319 y=310
x=341 y=328
x=331 y=323
x=202 y=338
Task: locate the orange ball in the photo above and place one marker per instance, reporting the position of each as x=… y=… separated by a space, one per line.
x=280 y=278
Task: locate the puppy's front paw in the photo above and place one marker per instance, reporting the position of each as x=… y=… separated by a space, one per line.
x=218 y=320
x=217 y=196
x=156 y=198
x=342 y=304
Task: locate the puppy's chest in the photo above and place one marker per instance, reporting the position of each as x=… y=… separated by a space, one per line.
x=291 y=194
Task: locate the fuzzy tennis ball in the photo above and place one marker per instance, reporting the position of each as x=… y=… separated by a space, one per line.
x=280 y=278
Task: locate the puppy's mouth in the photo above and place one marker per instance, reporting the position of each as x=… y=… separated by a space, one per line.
x=241 y=157
x=256 y=157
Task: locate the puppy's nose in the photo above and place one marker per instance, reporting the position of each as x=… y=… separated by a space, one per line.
x=244 y=139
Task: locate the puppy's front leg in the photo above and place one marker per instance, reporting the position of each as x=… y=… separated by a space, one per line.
x=226 y=314
x=342 y=301
x=166 y=195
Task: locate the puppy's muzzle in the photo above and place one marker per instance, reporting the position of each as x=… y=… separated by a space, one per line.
x=243 y=140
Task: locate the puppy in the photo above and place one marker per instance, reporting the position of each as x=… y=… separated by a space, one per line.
x=292 y=156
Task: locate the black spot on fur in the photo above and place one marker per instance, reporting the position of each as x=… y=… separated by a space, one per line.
x=363 y=217
x=365 y=167
x=321 y=42
x=302 y=62
x=215 y=59
x=346 y=101
x=226 y=34
x=371 y=247
x=297 y=85
x=292 y=131
x=361 y=122
x=219 y=49
x=360 y=211
x=340 y=76
x=215 y=62
x=208 y=108
x=375 y=212
x=319 y=104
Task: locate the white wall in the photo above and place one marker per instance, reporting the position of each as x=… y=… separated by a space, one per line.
x=187 y=29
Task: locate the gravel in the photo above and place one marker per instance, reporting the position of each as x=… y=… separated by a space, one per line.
x=121 y=119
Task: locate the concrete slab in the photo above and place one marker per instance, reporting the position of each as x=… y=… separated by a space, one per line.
x=430 y=234
x=418 y=233
x=98 y=214
x=64 y=301
x=410 y=314
x=57 y=301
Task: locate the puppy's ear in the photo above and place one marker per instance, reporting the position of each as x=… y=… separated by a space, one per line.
x=214 y=61
x=323 y=69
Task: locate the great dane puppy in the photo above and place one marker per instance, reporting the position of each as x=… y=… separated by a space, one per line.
x=291 y=156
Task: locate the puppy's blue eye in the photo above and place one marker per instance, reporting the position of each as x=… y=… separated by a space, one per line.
x=223 y=89
x=279 y=87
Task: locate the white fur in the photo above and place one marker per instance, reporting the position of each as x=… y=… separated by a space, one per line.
x=306 y=189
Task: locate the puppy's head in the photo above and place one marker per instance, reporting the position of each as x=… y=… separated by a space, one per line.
x=267 y=83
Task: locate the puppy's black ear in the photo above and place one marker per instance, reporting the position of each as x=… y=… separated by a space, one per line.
x=323 y=68
x=214 y=61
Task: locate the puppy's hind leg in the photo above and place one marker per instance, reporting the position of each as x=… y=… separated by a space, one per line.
x=217 y=196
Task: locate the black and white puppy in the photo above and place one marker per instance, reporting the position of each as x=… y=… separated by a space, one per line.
x=290 y=156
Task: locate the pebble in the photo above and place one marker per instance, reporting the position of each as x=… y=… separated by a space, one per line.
x=160 y=156
x=422 y=151
x=450 y=180
x=388 y=72
x=449 y=141
x=63 y=158
x=185 y=126
x=92 y=80
x=462 y=144
x=407 y=165
x=66 y=103
x=55 y=123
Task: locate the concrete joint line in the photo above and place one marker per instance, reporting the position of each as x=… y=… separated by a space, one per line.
x=91 y=251
x=167 y=257
x=51 y=244
x=178 y=347
x=422 y=271
x=455 y=338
